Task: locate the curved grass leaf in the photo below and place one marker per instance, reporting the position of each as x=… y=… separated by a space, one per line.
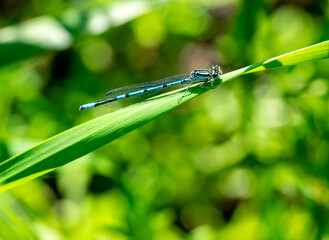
x=85 y=138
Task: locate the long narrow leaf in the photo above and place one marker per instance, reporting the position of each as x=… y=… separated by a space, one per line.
x=85 y=138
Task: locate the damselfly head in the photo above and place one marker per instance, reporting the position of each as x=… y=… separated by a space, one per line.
x=216 y=71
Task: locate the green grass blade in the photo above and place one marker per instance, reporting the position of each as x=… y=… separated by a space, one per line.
x=85 y=138
x=312 y=53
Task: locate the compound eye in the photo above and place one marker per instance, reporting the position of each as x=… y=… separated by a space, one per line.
x=215 y=70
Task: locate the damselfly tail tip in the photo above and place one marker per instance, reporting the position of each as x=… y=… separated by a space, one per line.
x=86 y=106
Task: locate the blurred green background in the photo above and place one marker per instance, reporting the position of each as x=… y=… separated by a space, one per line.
x=248 y=160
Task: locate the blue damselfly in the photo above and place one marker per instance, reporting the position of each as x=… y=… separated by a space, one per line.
x=196 y=76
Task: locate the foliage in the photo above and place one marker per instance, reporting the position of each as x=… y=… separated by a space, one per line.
x=249 y=157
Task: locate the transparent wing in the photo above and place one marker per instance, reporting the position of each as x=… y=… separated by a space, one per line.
x=141 y=86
